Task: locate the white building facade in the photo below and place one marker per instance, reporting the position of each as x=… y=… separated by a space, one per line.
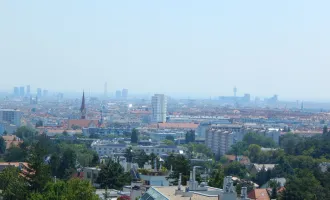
x=159 y=108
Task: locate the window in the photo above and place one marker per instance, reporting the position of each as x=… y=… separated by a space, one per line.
x=89 y=174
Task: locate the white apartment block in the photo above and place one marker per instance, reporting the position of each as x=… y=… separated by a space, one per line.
x=106 y=148
x=11 y=116
x=159 y=108
x=219 y=141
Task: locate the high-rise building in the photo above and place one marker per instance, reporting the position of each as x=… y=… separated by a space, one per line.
x=22 y=91
x=159 y=108
x=39 y=92
x=11 y=116
x=28 y=92
x=124 y=93
x=45 y=93
x=219 y=141
x=16 y=91
x=118 y=94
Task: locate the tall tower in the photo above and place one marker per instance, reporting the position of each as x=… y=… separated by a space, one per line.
x=83 y=107
x=159 y=108
x=235 y=91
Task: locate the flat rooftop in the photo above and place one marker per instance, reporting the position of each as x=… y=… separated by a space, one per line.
x=169 y=192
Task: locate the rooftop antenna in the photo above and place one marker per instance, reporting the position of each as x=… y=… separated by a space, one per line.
x=179 y=182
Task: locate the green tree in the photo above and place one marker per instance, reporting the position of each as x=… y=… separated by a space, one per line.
x=274 y=193
x=169 y=137
x=303 y=185
x=74 y=189
x=135 y=136
x=39 y=123
x=168 y=142
x=239 y=148
x=2 y=145
x=190 y=136
x=129 y=154
x=67 y=164
x=12 y=184
x=112 y=175
x=179 y=164
x=235 y=169
x=15 y=154
x=254 y=152
x=25 y=133
x=37 y=173
x=216 y=179
x=325 y=129
x=255 y=138
x=65 y=133
x=140 y=157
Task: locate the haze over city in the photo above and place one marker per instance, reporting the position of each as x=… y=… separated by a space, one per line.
x=181 y=48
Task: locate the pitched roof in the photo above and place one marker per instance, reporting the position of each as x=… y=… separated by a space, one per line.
x=83 y=123
x=12 y=140
x=259 y=194
x=4 y=165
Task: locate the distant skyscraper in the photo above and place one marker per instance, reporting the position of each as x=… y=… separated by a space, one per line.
x=21 y=91
x=124 y=93
x=118 y=94
x=16 y=91
x=28 y=90
x=39 y=92
x=235 y=91
x=159 y=108
x=45 y=93
x=83 y=107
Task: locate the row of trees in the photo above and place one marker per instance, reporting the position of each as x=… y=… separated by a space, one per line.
x=35 y=180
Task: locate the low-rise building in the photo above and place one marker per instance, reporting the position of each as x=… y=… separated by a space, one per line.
x=108 y=148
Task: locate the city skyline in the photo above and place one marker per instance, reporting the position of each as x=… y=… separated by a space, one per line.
x=186 y=47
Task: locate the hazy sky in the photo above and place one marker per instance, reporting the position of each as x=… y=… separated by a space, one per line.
x=168 y=46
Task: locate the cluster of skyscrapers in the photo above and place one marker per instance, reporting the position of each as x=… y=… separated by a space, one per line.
x=26 y=91
x=122 y=94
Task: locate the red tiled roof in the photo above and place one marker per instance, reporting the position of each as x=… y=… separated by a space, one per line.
x=83 y=123
x=259 y=194
x=175 y=125
x=12 y=140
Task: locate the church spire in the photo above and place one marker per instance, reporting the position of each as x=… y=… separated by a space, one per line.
x=83 y=107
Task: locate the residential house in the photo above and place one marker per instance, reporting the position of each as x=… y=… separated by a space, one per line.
x=258 y=194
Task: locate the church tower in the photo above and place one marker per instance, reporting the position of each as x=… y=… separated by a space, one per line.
x=83 y=107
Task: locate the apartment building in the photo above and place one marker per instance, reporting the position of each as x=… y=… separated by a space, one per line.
x=159 y=108
x=11 y=116
x=219 y=141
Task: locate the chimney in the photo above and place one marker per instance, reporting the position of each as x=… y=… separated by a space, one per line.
x=244 y=193
x=179 y=183
x=190 y=177
x=194 y=173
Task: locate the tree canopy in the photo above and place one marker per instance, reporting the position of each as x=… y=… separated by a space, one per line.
x=112 y=175
x=135 y=136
